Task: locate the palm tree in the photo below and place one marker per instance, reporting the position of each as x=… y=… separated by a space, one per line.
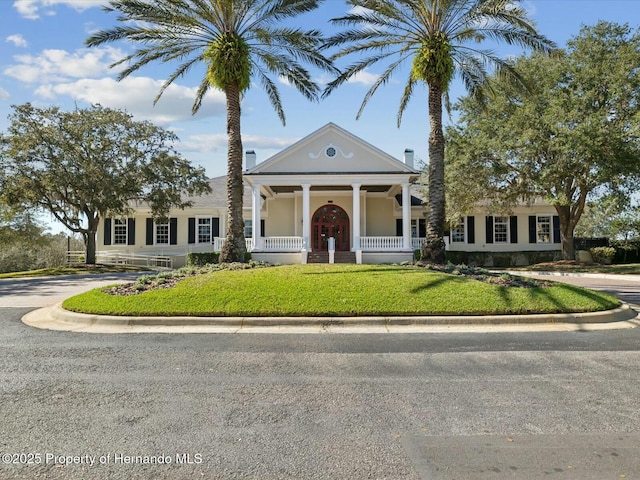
x=440 y=38
x=237 y=41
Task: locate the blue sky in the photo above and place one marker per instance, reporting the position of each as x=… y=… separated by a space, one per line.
x=43 y=60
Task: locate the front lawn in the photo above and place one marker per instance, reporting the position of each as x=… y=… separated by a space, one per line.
x=339 y=290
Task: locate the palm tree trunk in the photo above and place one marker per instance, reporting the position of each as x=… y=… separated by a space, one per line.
x=433 y=249
x=234 y=248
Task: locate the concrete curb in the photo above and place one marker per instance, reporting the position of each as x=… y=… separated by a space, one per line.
x=603 y=276
x=56 y=318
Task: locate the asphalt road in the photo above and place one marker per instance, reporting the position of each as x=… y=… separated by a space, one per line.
x=388 y=406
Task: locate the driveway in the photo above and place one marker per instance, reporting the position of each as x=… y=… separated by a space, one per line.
x=47 y=291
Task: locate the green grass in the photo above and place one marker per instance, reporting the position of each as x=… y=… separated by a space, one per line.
x=72 y=270
x=339 y=290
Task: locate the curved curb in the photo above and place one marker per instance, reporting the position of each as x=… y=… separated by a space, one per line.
x=56 y=318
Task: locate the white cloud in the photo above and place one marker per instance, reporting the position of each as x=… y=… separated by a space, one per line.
x=364 y=78
x=4 y=95
x=17 y=39
x=215 y=141
x=136 y=95
x=59 y=65
x=31 y=8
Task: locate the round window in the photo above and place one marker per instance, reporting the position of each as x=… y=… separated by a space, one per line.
x=331 y=152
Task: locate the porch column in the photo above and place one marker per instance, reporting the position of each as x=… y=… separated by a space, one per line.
x=406 y=217
x=255 y=210
x=306 y=217
x=356 y=216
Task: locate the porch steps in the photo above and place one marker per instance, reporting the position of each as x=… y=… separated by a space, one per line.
x=339 y=257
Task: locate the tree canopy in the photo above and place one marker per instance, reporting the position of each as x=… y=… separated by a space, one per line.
x=237 y=41
x=574 y=136
x=92 y=162
x=440 y=38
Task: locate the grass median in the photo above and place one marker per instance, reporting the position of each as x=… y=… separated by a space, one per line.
x=340 y=290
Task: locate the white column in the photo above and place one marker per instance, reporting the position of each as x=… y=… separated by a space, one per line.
x=355 y=227
x=306 y=217
x=406 y=217
x=255 y=210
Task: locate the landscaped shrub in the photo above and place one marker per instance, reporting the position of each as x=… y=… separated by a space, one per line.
x=417 y=255
x=200 y=259
x=627 y=251
x=603 y=255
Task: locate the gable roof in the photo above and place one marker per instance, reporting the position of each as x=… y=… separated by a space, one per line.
x=330 y=150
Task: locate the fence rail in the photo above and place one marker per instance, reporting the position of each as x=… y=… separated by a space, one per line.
x=118 y=258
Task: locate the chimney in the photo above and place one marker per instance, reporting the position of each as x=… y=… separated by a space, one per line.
x=408 y=157
x=250 y=159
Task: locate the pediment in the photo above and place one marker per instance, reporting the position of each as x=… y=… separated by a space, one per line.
x=330 y=149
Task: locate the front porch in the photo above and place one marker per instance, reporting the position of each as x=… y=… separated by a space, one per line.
x=294 y=249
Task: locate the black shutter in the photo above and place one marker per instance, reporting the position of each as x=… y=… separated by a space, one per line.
x=489 y=223
x=471 y=229
x=513 y=228
x=399 y=227
x=192 y=230
x=149 y=231
x=262 y=227
x=173 y=231
x=215 y=228
x=107 y=231
x=533 y=221
x=131 y=231
x=556 y=229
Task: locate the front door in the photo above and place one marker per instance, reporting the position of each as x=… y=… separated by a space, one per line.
x=330 y=221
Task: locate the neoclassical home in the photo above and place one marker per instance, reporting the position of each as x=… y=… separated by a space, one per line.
x=330 y=197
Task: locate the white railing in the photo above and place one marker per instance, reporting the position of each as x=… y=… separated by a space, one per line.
x=218 y=243
x=119 y=258
x=282 y=244
x=76 y=257
x=416 y=243
x=381 y=243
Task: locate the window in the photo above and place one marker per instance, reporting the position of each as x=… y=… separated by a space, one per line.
x=120 y=231
x=204 y=230
x=458 y=233
x=501 y=229
x=418 y=228
x=162 y=234
x=543 y=229
x=248 y=228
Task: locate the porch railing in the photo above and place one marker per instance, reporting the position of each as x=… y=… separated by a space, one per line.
x=282 y=244
x=295 y=244
x=218 y=243
x=381 y=243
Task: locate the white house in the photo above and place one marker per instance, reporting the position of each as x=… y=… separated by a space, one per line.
x=328 y=197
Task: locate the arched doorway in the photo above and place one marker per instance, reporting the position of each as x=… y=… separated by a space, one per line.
x=330 y=221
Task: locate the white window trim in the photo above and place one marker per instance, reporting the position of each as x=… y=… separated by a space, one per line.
x=507 y=223
x=126 y=231
x=464 y=227
x=248 y=227
x=550 y=217
x=155 y=232
x=204 y=217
